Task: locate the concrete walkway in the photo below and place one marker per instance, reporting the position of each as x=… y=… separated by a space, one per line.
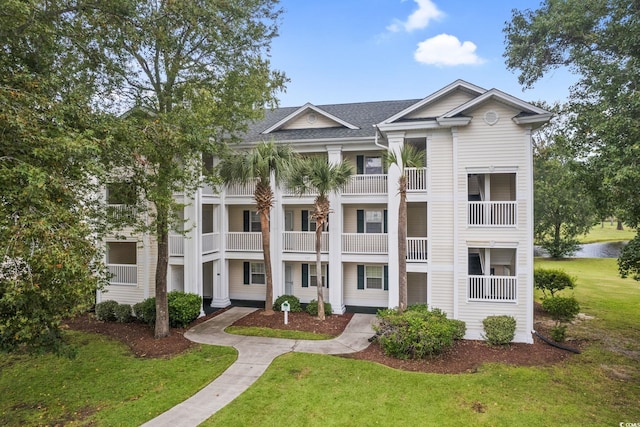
x=255 y=354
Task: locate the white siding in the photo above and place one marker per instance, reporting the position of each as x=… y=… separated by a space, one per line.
x=237 y=288
x=302 y=122
x=361 y=297
x=441 y=106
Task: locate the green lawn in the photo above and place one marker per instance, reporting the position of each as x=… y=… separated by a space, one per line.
x=104 y=386
x=608 y=233
x=599 y=387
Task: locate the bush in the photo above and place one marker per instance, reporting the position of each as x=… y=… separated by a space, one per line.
x=184 y=308
x=499 y=330
x=417 y=333
x=294 y=303
x=558 y=333
x=561 y=309
x=552 y=281
x=146 y=310
x=122 y=313
x=312 y=308
x=105 y=310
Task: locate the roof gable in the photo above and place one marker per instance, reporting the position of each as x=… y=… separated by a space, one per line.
x=309 y=117
x=438 y=103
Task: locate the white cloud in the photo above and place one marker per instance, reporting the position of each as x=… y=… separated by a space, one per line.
x=426 y=12
x=446 y=50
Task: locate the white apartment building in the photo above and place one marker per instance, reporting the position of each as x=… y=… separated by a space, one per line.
x=470 y=214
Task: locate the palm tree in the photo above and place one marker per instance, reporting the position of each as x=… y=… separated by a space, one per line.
x=407 y=157
x=264 y=162
x=316 y=175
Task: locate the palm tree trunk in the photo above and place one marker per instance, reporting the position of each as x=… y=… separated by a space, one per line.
x=402 y=245
x=319 y=271
x=266 y=251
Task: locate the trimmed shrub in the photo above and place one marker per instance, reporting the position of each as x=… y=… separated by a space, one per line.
x=561 y=309
x=558 y=333
x=184 y=308
x=122 y=313
x=552 y=281
x=312 y=308
x=294 y=303
x=146 y=310
x=417 y=333
x=105 y=310
x=499 y=330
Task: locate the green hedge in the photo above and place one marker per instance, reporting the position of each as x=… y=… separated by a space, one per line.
x=417 y=333
x=499 y=330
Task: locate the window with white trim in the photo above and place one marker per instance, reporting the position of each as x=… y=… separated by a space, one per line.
x=258 y=273
x=254 y=222
x=373 y=221
x=313 y=276
x=373 y=276
x=372 y=165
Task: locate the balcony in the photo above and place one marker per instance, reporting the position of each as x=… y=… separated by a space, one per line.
x=366 y=185
x=365 y=243
x=416 y=179
x=176 y=245
x=304 y=241
x=493 y=288
x=417 y=249
x=493 y=214
x=123 y=274
x=121 y=212
x=210 y=242
x=244 y=241
x=240 y=190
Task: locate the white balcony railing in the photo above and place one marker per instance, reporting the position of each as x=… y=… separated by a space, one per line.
x=493 y=288
x=303 y=241
x=121 y=212
x=207 y=190
x=366 y=184
x=244 y=241
x=365 y=243
x=176 y=245
x=240 y=189
x=416 y=179
x=492 y=214
x=417 y=249
x=210 y=242
x=123 y=274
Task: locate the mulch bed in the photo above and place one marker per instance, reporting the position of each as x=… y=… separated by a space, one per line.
x=465 y=356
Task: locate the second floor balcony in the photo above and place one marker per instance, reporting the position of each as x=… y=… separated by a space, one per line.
x=493 y=214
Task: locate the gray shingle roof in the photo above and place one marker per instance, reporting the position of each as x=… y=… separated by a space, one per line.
x=362 y=114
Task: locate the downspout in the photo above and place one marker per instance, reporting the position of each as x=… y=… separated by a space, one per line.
x=375 y=141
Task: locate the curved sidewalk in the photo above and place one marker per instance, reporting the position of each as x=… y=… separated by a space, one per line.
x=255 y=354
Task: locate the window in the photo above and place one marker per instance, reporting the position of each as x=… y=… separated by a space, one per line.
x=373 y=277
x=372 y=165
x=251 y=221
x=309 y=223
x=373 y=221
x=121 y=193
x=313 y=277
x=121 y=253
x=258 y=276
x=255 y=221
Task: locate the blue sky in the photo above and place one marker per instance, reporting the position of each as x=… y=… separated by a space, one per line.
x=341 y=51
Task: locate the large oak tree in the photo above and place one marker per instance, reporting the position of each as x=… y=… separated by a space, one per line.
x=190 y=76
x=597 y=40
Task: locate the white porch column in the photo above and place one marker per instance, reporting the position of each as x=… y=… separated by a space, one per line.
x=336 y=286
x=220 y=297
x=396 y=141
x=192 y=252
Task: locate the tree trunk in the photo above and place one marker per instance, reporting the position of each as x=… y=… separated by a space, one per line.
x=319 y=226
x=266 y=252
x=619 y=227
x=162 y=307
x=402 y=245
